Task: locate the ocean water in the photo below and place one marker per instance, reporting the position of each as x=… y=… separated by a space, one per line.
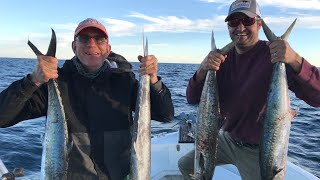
x=20 y=145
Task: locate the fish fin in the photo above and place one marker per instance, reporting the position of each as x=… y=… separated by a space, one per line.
x=288 y=31
x=34 y=48
x=213 y=42
x=262 y=114
x=51 y=49
x=146 y=53
x=294 y=113
x=53 y=45
x=267 y=31
x=271 y=36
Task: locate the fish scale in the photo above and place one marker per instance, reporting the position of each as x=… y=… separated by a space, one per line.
x=54 y=160
x=277 y=119
x=141 y=135
x=208 y=124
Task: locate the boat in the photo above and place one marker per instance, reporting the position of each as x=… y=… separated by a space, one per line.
x=166 y=151
x=170 y=142
x=7 y=175
x=167 y=148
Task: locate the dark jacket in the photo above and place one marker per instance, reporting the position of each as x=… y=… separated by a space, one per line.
x=98 y=113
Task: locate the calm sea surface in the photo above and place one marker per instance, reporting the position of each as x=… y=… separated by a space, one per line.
x=20 y=145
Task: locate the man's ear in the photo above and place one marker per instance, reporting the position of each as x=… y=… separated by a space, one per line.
x=259 y=24
x=108 y=49
x=73 y=47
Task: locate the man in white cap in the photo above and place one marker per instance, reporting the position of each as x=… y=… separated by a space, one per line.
x=99 y=91
x=243 y=77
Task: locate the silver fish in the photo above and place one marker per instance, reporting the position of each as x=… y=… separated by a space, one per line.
x=54 y=161
x=277 y=120
x=208 y=123
x=141 y=135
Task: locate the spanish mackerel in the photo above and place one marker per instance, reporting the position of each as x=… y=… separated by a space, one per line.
x=141 y=134
x=208 y=123
x=277 y=119
x=54 y=161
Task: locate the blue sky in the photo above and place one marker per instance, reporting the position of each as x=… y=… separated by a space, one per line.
x=178 y=31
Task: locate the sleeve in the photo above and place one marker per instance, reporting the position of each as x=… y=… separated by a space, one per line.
x=194 y=90
x=161 y=102
x=306 y=83
x=22 y=100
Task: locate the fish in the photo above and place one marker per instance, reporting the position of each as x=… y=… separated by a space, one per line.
x=277 y=119
x=54 y=160
x=140 y=166
x=208 y=123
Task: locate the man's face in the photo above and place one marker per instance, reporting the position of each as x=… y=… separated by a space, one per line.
x=92 y=48
x=246 y=35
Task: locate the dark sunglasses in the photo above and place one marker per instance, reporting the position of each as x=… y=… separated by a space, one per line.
x=247 y=21
x=85 y=39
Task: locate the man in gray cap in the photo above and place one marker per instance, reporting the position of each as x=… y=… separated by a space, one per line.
x=243 y=77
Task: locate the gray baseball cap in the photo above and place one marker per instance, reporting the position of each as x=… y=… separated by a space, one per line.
x=249 y=7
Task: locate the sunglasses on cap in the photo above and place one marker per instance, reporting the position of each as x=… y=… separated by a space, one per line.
x=247 y=21
x=99 y=39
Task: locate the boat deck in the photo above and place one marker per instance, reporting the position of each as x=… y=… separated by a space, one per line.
x=166 y=151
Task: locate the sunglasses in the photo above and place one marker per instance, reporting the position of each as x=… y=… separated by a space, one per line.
x=85 y=39
x=247 y=21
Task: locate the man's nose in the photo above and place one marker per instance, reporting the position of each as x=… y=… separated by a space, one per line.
x=240 y=26
x=91 y=41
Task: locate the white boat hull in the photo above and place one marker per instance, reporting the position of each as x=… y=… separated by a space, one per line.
x=166 y=151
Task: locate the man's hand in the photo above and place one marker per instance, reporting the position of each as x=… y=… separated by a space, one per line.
x=281 y=51
x=211 y=62
x=46 y=68
x=149 y=65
